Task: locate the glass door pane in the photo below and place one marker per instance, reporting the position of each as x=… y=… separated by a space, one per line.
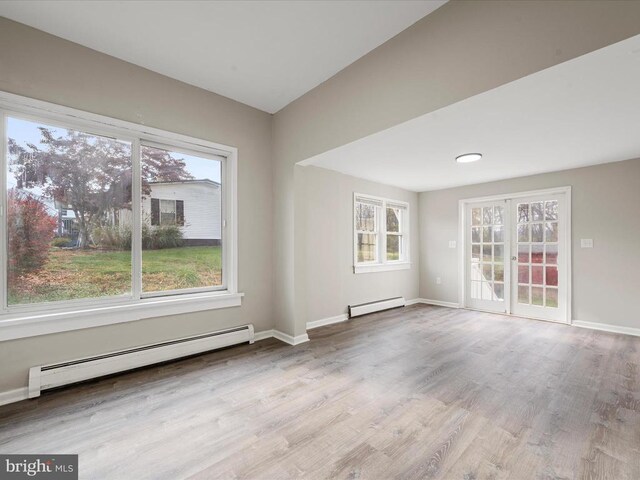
x=538 y=269
x=486 y=252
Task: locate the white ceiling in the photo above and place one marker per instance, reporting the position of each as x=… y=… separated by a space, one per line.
x=582 y=112
x=262 y=53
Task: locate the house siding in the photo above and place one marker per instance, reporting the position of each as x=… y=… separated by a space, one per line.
x=202 y=209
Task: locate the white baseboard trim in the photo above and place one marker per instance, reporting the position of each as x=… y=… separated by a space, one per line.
x=605 y=327
x=437 y=303
x=263 y=335
x=343 y=317
x=289 y=339
x=412 y=301
x=12 y=396
x=281 y=336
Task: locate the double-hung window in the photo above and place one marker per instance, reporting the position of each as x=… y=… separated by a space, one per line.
x=167 y=212
x=102 y=220
x=381 y=234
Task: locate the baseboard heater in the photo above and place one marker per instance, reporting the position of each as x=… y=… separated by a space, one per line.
x=371 y=307
x=73 y=371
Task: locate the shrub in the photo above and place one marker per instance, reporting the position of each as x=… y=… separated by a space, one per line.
x=163 y=236
x=30 y=231
x=153 y=238
x=112 y=237
x=61 y=242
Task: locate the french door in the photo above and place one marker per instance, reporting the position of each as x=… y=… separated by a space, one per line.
x=487 y=255
x=516 y=255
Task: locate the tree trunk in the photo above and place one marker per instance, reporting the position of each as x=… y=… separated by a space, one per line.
x=83 y=227
x=83 y=236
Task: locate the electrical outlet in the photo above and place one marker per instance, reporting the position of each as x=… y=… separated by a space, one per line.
x=586 y=243
x=438 y=281
x=452 y=244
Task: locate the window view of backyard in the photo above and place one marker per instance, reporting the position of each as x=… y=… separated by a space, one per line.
x=69 y=216
x=370 y=229
x=367 y=231
x=394 y=233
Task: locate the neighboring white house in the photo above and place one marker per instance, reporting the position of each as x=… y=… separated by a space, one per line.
x=194 y=205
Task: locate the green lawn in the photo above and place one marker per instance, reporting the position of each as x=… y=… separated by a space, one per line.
x=186 y=267
x=73 y=274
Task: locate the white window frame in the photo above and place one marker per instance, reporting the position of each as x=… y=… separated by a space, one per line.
x=21 y=321
x=382 y=264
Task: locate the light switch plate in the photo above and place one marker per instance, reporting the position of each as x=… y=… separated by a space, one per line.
x=586 y=243
x=452 y=244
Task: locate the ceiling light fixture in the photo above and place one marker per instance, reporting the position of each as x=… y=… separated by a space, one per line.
x=468 y=157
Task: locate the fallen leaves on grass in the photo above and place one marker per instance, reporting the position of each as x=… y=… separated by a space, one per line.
x=73 y=274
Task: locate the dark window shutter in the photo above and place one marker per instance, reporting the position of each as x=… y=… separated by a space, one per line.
x=155 y=211
x=180 y=212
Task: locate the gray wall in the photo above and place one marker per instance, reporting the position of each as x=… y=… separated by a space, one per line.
x=605 y=207
x=422 y=69
x=324 y=200
x=41 y=66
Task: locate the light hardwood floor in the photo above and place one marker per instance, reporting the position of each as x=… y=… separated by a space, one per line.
x=419 y=392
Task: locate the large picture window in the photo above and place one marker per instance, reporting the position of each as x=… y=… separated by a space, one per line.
x=68 y=198
x=381 y=234
x=101 y=216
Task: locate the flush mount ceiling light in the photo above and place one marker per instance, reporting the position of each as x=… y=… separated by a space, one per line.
x=468 y=157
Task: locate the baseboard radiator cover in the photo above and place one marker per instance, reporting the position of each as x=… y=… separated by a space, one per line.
x=64 y=373
x=377 y=306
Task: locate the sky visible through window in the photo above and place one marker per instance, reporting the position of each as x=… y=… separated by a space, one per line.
x=26 y=132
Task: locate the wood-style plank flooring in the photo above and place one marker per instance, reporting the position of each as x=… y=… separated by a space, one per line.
x=419 y=392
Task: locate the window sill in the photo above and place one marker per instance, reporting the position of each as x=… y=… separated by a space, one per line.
x=22 y=325
x=381 y=267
